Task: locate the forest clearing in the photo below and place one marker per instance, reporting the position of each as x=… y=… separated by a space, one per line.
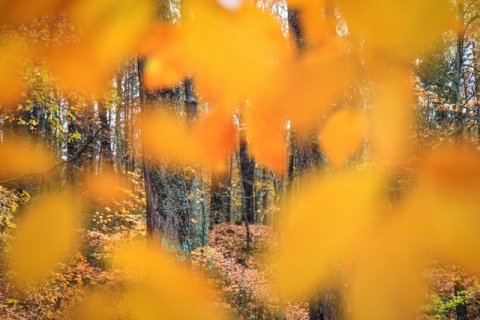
x=240 y=159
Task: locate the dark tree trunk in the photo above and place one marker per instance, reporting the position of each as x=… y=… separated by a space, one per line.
x=295 y=29
x=194 y=182
x=247 y=173
x=265 y=196
x=89 y=131
x=327 y=305
x=72 y=149
x=461 y=309
x=220 y=197
x=190 y=100
x=247 y=170
x=106 y=153
x=168 y=208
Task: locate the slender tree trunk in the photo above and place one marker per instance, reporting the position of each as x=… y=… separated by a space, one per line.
x=265 y=197
x=72 y=149
x=220 y=197
x=461 y=309
x=247 y=170
x=106 y=152
x=194 y=182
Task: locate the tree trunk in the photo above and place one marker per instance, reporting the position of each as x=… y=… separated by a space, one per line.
x=461 y=309
x=194 y=182
x=72 y=149
x=220 y=197
x=168 y=208
x=106 y=152
x=247 y=170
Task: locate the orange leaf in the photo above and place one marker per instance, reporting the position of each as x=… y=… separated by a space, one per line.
x=10 y=62
x=164 y=50
x=343 y=135
x=213 y=137
x=164 y=137
x=161 y=287
x=265 y=130
x=307 y=257
x=232 y=52
x=46 y=235
x=387 y=281
x=18 y=158
x=106 y=186
x=397 y=28
x=110 y=29
x=313 y=83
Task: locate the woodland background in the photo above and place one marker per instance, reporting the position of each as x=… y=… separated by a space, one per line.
x=302 y=159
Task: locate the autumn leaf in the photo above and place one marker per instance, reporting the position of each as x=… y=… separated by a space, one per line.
x=265 y=128
x=343 y=135
x=232 y=52
x=387 y=279
x=92 y=306
x=391 y=117
x=397 y=29
x=322 y=69
x=46 y=235
x=21 y=11
x=165 y=137
x=321 y=230
x=216 y=128
x=11 y=85
x=180 y=145
x=446 y=206
x=106 y=186
x=161 y=287
x=19 y=157
x=164 y=50
x=110 y=30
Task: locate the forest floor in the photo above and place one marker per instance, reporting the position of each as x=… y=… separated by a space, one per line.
x=243 y=277
x=240 y=280
x=246 y=292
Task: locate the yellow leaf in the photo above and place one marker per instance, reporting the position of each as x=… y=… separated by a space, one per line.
x=166 y=137
x=397 y=29
x=164 y=50
x=158 y=288
x=446 y=206
x=46 y=235
x=265 y=127
x=18 y=157
x=217 y=129
x=106 y=186
x=21 y=11
x=343 y=134
x=232 y=52
x=10 y=62
x=92 y=306
x=387 y=281
x=322 y=230
x=110 y=29
x=323 y=69
x=391 y=116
